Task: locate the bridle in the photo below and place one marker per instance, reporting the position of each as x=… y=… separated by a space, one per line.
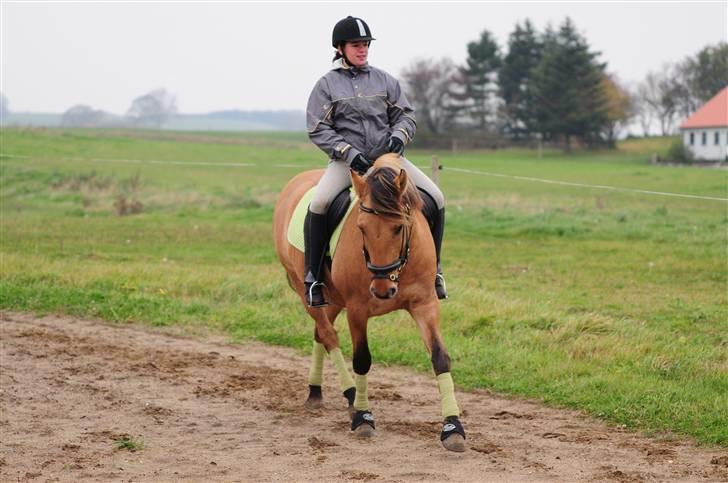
x=391 y=270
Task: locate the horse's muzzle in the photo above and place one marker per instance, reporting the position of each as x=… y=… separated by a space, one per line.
x=386 y=294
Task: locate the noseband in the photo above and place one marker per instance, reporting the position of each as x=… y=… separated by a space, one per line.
x=391 y=270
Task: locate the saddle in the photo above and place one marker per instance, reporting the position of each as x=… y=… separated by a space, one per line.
x=339 y=210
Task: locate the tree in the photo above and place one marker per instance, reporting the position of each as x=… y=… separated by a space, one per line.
x=514 y=79
x=153 y=108
x=478 y=79
x=619 y=107
x=708 y=72
x=567 y=87
x=429 y=86
x=4 y=108
x=658 y=93
x=82 y=115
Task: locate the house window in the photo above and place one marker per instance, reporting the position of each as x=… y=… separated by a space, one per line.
x=692 y=139
x=717 y=138
x=704 y=138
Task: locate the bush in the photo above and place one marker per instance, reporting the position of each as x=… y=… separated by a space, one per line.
x=678 y=153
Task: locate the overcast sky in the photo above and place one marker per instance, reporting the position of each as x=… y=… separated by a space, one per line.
x=248 y=56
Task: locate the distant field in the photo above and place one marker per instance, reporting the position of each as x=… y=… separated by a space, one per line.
x=614 y=302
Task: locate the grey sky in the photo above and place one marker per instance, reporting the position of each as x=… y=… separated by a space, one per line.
x=268 y=55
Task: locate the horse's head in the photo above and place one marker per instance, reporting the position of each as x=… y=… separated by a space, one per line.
x=387 y=200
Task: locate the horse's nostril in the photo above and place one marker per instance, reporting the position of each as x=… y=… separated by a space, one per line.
x=392 y=292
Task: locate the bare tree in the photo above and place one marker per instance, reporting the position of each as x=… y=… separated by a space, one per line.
x=82 y=115
x=659 y=93
x=153 y=108
x=429 y=87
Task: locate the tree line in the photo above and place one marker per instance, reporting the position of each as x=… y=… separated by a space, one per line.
x=550 y=86
x=149 y=110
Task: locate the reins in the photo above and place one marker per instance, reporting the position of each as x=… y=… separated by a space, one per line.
x=391 y=270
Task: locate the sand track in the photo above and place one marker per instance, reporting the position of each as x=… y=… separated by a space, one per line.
x=208 y=410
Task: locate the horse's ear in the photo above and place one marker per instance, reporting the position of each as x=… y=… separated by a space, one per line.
x=358 y=183
x=401 y=182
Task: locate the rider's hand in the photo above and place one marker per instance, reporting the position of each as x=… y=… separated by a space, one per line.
x=395 y=145
x=360 y=164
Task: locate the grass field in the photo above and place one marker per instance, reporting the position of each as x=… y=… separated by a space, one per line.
x=612 y=302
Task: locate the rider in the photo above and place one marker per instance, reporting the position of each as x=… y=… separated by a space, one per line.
x=355 y=114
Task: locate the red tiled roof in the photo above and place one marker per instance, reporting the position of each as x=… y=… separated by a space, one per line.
x=714 y=113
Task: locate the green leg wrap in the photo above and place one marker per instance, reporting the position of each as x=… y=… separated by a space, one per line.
x=447 y=395
x=316 y=372
x=345 y=379
x=361 y=400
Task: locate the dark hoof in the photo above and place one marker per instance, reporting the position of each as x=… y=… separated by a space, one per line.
x=362 y=423
x=453 y=435
x=313 y=404
x=315 y=398
x=455 y=443
x=350 y=394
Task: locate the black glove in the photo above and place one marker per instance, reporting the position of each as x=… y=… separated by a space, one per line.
x=360 y=164
x=395 y=145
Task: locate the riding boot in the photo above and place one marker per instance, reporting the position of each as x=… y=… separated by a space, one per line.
x=314 y=239
x=438 y=229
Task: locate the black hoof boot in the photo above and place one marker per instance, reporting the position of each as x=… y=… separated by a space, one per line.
x=440 y=286
x=315 y=398
x=452 y=436
x=363 y=424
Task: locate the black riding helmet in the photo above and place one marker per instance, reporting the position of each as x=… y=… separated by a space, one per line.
x=350 y=29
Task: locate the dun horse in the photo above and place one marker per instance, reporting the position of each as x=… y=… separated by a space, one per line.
x=384 y=261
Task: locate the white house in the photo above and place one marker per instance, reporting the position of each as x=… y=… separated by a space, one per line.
x=705 y=133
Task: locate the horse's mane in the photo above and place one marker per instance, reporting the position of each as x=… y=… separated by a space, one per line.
x=384 y=191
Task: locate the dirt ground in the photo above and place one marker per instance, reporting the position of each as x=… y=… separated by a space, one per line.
x=206 y=410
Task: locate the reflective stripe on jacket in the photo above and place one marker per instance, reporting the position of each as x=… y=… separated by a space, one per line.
x=352 y=111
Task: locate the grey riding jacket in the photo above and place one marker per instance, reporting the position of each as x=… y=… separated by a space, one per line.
x=356 y=110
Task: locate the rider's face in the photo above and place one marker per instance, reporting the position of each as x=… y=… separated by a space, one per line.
x=357 y=52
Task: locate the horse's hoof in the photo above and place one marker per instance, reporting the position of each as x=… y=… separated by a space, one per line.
x=312 y=404
x=364 y=431
x=455 y=442
x=362 y=423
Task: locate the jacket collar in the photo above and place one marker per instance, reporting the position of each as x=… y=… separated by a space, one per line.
x=340 y=64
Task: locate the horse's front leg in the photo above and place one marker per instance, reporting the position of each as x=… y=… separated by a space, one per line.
x=428 y=320
x=326 y=340
x=362 y=421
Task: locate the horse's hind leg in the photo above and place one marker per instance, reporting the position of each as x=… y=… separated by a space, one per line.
x=326 y=340
x=427 y=318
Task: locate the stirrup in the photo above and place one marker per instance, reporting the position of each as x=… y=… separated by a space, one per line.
x=440 y=287
x=315 y=300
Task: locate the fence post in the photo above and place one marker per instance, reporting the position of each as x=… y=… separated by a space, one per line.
x=435 y=166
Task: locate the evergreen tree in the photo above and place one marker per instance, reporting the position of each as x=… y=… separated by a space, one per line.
x=478 y=77
x=514 y=79
x=567 y=86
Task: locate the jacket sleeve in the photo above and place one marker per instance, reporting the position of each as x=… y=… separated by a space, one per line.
x=319 y=122
x=400 y=111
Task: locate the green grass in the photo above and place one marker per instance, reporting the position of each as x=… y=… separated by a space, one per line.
x=129 y=443
x=611 y=302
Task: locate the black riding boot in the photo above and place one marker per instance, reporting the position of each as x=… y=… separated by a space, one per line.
x=438 y=229
x=314 y=239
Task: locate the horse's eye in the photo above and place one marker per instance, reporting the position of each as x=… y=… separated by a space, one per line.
x=398 y=230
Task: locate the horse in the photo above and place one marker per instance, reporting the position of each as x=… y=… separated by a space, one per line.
x=384 y=261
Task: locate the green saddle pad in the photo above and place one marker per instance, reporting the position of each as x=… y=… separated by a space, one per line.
x=295 y=229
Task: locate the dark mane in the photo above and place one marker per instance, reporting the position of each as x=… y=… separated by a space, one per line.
x=384 y=193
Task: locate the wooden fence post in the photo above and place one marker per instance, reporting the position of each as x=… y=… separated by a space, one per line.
x=435 y=166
